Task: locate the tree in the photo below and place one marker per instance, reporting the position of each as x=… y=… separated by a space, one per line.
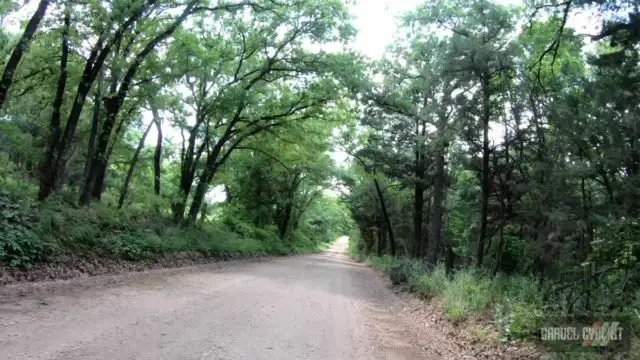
x=132 y=166
x=267 y=83
x=21 y=47
x=481 y=54
x=54 y=127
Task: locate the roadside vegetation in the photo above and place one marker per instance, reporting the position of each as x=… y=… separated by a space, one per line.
x=516 y=305
x=495 y=165
x=493 y=152
x=58 y=231
x=134 y=129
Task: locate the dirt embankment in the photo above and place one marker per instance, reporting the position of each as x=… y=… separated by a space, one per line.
x=96 y=265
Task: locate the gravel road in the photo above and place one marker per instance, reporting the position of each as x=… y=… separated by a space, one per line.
x=315 y=307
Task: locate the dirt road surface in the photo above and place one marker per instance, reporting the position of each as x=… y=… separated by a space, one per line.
x=315 y=307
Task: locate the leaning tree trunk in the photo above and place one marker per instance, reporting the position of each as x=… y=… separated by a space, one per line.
x=382 y=239
x=132 y=166
x=383 y=206
x=99 y=161
x=22 y=46
x=189 y=160
x=115 y=102
x=157 y=155
x=187 y=175
x=93 y=65
x=99 y=185
x=94 y=183
x=199 y=194
x=46 y=169
x=205 y=178
x=486 y=185
x=63 y=148
x=93 y=134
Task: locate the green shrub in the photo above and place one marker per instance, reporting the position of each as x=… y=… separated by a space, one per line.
x=19 y=244
x=430 y=283
x=383 y=263
x=518 y=307
x=129 y=246
x=466 y=293
x=407 y=270
x=356 y=247
x=516 y=288
x=398 y=274
x=211 y=240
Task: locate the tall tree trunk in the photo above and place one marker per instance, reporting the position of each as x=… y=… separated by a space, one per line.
x=586 y=216
x=187 y=175
x=132 y=166
x=228 y=195
x=99 y=161
x=23 y=44
x=215 y=159
x=427 y=223
x=203 y=213
x=285 y=219
x=93 y=134
x=382 y=237
x=114 y=103
x=418 y=206
x=199 y=194
x=99 y=185
x=383 y=206
x=506 y=207
x=157 y=155
x=63 y=148
x=437 y=241
x=100 y=178
x=418 y=198
x=207 y=175
x=439 y=184
x=46 y=184
x=486 y=185
x=499 y=255
x=541 y=220
x=94 y=181
x=189 y=161
x=93 y=65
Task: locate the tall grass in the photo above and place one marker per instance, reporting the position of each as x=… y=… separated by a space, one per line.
x=514 y=304
x=384 y=263
x=466 y=294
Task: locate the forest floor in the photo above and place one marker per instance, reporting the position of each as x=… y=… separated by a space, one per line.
x=322 y=306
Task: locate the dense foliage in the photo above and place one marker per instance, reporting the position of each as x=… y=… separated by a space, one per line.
x=495 y=143
x=492 y=147
x=136 y=128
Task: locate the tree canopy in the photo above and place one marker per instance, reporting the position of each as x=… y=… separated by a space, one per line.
x=488 y=136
